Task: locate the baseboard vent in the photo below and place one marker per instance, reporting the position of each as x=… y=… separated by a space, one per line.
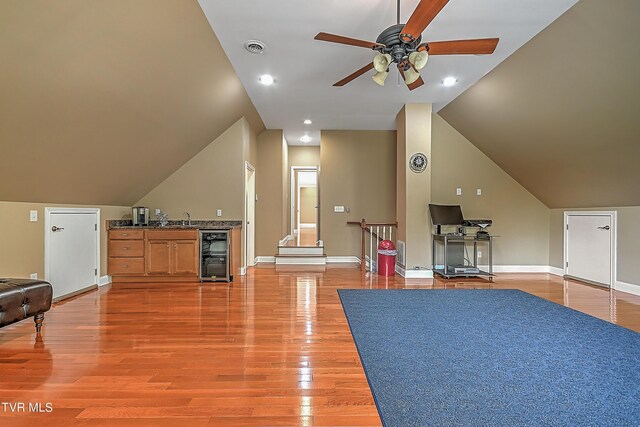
x=402 y=254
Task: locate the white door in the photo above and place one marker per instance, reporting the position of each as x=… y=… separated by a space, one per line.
x=589 y=247
x=250 y=215
x=72 y=252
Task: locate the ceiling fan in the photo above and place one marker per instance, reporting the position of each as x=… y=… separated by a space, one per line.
x=402 y=44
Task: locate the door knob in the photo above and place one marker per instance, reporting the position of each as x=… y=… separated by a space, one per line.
x=54 y=228
x=606 y=227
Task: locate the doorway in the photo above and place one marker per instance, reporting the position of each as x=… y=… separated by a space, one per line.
x=72 y=250
x=590 y=246
x=250 y=214
x=304 y=205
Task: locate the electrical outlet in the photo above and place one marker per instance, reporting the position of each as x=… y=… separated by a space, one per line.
x=158 y=212
x=479 y=192
x=219 y=212
x=33 y=276
x=33 y=216
x=458 y=191
x=338 y=209
x=479 y=254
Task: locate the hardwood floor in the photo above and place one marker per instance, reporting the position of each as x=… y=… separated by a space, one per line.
x=272 y=349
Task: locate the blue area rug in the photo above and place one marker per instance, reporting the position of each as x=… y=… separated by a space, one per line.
x=492 y=358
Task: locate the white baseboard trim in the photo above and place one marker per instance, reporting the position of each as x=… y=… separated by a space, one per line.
x=265 y=260
x=627 y=287
x=343 y=260
x=307 y=225
x=104 y=280
x=519 y=268
x=284 y=241
x=555 y=270
x=414 y=274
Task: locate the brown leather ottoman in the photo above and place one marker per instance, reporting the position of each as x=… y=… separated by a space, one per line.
x=22 y=298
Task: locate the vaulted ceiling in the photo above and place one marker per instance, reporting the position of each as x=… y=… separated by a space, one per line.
x=562 y=114
x=102 y=100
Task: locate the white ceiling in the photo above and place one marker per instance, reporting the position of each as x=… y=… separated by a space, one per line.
x=305 y=69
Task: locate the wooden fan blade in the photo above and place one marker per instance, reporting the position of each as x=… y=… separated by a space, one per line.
x=422 y=16
x=326 y=37
x=355 y=75
x=463 y=47
x=414 y=85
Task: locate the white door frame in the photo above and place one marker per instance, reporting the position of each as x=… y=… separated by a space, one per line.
x=47 y=239
x=292 y=194
x=248 y=167
x=613 y=215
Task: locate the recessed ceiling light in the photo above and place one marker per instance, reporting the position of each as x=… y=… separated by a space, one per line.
x=449 y=81
x=266 y=79
x=307 y=122
x=305 y=139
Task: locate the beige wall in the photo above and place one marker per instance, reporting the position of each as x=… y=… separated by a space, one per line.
x=285 y=225
x=270 y=190
x=22 y=245
x=213 y=179
x=359 y=172
x=413 y=224
x=304 y=156
x=628 y=236
x=118 y=93
x=519 y=219
x=308 y=200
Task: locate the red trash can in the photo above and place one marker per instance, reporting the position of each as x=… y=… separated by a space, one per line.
x=387 y=258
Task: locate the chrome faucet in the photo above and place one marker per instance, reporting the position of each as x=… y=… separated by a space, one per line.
x=189 y=217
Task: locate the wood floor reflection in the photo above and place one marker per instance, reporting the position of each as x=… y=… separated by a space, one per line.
x=273 y=349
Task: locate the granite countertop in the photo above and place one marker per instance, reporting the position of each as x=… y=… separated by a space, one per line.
x=176 y=224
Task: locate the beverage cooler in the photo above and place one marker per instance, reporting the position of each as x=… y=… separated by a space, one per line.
x=214 y=255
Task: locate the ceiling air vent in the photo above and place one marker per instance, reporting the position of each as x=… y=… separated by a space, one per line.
x=254 y=46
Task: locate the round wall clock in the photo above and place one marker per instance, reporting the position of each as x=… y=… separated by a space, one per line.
x=418 y=162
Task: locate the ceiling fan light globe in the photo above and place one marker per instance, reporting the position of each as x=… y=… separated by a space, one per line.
x=380 y=77
x=419 y=59
x=410 y=76
x=381 y=62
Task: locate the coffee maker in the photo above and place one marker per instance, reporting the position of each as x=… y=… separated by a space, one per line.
x=140 y=216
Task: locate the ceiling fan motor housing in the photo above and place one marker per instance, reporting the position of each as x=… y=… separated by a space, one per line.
x=393 y=44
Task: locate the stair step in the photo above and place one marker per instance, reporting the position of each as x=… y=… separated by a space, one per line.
x=298 y=259
x=300 y=250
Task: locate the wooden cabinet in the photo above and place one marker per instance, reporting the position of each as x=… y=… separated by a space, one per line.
x=172 y=252
x=126 y=253
x=159 y=257
x=162 y=255
x=185 y=257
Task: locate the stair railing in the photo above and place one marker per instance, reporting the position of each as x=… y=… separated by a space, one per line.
x=376 y=232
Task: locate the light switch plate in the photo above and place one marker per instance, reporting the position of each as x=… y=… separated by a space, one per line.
x=479 y=192
x=33 y=216
x=338 y=209
x=458 y=191
x=219 y=212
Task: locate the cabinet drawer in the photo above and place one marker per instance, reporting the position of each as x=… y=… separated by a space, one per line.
x=172 y=234
x=126 y=248
x=126 y=266
x=126 y=234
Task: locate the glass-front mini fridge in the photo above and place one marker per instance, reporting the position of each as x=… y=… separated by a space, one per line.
x=214 y=255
